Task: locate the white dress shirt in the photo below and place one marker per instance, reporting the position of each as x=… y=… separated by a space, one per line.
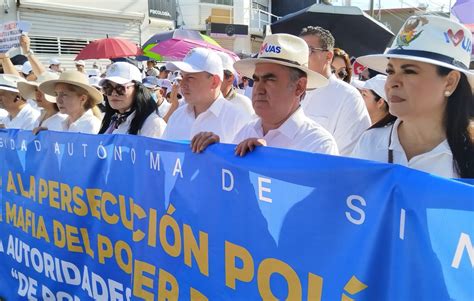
x=298 y=133
x=52 y=123
x=3 y=113
x=88 y=123
x=340 y=109
x=223 y=118
x=374 y=145
x=242 y=102
x=153 y=127
x=24 y=120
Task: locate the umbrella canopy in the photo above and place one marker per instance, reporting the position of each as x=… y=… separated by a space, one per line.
x=463 y=10
x=176 y=49
x=108 y=48
x=355 y=31
x=182 y=34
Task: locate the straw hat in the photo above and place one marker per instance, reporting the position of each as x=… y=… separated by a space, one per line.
x=9 y=82
x=283 y=49
x=428 y=39
x=74 y=78
x=28 y=89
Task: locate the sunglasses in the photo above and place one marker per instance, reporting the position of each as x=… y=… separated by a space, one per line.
x=342 y=73
x=120 y=89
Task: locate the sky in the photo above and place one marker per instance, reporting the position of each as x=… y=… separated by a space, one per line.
x=433 y=5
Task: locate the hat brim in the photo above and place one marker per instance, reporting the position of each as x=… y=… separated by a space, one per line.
x=9 y=89
x=378 y=62
x=116 y=79
x=182 y=66
x=28 y=91
x=48 y=88
x=246 y=67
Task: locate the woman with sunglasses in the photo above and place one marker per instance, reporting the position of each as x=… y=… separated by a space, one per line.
x=429 y=91
x=77 y=99
x=130 y=107
x=341 y=65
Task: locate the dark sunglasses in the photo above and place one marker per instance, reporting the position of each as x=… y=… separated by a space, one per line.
x=120 y=89
x=341 y=73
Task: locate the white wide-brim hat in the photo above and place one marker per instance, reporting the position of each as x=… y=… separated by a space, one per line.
x=9 y=82
x=428 y=39
x=286 y=50
x=28 y=89
x=75 y=78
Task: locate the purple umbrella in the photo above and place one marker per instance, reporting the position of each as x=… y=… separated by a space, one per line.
x=464 y=11
x=176 y=49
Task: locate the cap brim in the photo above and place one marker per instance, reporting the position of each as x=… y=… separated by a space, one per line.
x=9 y=89
x=182 y=66
x=246 y=67
x=378 y=62
x=48 y=88
x=116 y=79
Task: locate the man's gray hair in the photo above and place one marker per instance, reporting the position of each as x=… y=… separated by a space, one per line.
x=326 y=39
x=296 y=74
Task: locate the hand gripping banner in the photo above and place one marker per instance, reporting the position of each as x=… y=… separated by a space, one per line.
x=115 y=217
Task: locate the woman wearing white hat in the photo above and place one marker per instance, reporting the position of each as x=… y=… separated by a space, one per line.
x=373 y=93
x=50 y=118
x=130 y=108
x=77 y=99
x=429 y=90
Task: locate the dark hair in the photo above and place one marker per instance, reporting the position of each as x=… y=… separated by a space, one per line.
x=143 y=105
x=325 y=37
x=347 y=61
x=457 y=118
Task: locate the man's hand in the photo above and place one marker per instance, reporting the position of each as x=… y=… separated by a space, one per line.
x=25 y=43
x=202 y=140
x=248 y=145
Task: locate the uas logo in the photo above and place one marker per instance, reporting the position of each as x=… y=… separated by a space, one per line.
x=269 y=48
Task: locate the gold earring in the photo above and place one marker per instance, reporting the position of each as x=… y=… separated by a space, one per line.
x=447 y=93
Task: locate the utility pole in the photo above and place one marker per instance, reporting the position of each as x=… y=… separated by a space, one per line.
x=371 y=8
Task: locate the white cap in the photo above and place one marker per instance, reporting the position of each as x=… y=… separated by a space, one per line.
x=26 y=68
x=165 y=83
x=199 y=60
x=227 y=62
x=80 y=63
x=54 y=61
x=9 y=82
x=94 y=81
x=122 y=73
x=377 y=84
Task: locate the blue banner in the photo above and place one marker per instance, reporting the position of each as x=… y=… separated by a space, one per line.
x=115 y=217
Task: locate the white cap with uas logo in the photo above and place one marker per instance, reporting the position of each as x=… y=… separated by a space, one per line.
x=199 y=60
x=122 y=73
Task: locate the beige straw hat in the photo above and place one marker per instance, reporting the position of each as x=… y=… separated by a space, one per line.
x=28 y=89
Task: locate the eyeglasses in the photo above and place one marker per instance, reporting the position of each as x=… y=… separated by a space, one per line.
x=341 y=73
x=120 y=89
x=314 y=49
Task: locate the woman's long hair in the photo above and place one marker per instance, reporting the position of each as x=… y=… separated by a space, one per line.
x=143 y=105
x=458 y=117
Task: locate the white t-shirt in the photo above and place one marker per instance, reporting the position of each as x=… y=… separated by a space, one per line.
x=52 y=123
x=87 y=124
x=163 y=108
x=243 y=102
x=374 y=145
x=340 y=109
x=3 y=113
x=24 y=120
x=298 y=133
x=153 y=127
x=223 y=118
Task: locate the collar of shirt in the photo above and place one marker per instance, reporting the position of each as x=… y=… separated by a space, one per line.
x=215 y=108
x=87 y=115
x=395 y=145
x=289 y=128
x=24 y=111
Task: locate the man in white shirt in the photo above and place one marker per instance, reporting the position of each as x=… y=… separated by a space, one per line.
x=20 y=114
x=281 y=77
x=205 y=109
x=228 y=89
x=338 y=107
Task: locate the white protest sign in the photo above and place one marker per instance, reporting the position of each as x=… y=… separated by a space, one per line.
x=10 y=34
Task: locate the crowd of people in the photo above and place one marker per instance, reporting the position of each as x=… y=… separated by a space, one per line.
x=415 y=109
